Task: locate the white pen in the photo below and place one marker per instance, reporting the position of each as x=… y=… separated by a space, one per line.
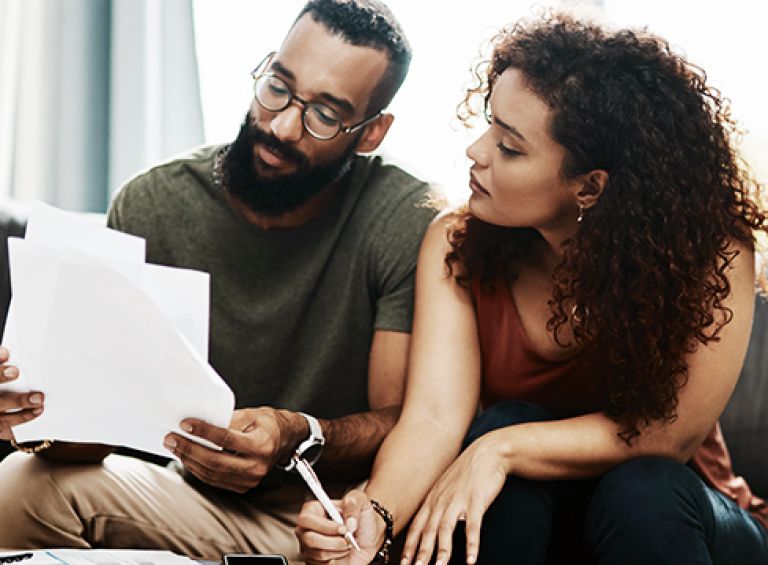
x=308 y=474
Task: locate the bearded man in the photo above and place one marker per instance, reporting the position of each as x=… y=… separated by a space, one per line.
x=311 y=248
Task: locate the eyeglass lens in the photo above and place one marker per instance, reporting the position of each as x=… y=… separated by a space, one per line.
x=275 y=95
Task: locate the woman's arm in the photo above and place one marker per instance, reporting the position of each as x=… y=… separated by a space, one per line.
x=441 y=397
x=442 y=390
x=586 y=446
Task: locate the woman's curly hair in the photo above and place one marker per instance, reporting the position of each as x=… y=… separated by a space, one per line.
x=647 y=271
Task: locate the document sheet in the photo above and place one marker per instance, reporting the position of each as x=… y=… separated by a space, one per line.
x=119 y=347
x=94 y=557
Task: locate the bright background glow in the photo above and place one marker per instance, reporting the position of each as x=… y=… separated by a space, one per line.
x=233 y=35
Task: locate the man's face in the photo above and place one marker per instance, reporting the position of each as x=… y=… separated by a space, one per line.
x=274 y=165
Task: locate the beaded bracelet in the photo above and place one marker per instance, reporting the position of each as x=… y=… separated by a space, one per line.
x=42 y=446
x=383 y=553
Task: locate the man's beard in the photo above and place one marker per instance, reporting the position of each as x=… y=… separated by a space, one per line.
x=282 y=194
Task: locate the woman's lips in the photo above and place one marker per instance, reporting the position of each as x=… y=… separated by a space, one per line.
x=476 y=187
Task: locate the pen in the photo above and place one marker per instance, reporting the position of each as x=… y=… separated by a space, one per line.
x=308 y=474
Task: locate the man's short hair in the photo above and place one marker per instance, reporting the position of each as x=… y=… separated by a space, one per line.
x=367 y=23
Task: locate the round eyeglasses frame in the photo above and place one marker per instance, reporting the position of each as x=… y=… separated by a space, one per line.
x=306 y=106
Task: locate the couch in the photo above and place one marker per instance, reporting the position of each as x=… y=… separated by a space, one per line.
x=744 y=422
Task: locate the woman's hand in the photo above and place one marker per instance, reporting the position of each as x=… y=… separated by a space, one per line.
x=322 y=540
x=464 y=492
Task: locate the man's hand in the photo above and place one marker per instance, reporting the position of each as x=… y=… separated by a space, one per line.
x=15 y=407
x=255 y=440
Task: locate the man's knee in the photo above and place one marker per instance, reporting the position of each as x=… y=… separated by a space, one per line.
x=37 y=497
x=505 y=414
x=23 y=479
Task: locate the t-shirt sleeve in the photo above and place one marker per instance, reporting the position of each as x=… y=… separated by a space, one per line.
x=118 y=215
x=134 y=206
x=394 y=251
x=113 y=214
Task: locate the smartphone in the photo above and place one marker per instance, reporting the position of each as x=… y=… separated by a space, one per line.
x=254 y=559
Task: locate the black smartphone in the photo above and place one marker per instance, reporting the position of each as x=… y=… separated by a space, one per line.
x=254 y=559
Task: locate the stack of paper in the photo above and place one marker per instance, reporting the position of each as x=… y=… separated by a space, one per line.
x=118 y=346
x=95 y=557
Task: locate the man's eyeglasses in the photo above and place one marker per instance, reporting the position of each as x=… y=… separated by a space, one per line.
x=321 y=121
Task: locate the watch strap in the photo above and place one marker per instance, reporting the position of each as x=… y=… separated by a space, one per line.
x=315 y=431
x=315 y=438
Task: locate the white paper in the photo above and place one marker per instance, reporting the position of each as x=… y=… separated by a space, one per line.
x=55 y=227
x=99 y=557
x=183 y=296
x=118 y=347
x=62 y=230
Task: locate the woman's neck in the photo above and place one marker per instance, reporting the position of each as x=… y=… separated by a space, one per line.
x=544 y=256
x=551 y=246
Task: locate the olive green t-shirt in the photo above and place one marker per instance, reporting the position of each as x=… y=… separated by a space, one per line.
x=292 y=311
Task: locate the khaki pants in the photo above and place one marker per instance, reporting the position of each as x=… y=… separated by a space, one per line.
x=127 y=503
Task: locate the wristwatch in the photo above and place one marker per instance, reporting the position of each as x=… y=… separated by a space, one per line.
x=310 y=448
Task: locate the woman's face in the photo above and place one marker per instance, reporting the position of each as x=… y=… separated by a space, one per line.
x=516 y=176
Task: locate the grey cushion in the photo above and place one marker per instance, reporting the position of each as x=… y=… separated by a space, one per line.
x=12 y=223
x=13 y=218
x=745 y=420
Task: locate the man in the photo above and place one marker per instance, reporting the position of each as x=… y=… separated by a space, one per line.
x=311 y=249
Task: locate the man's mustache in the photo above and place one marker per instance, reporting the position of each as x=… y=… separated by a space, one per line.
x=254 y=134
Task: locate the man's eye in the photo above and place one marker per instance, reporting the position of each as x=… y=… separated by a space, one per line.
x=278 y=90
x=325 y=115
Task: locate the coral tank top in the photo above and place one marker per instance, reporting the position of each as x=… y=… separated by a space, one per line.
x=513 y=370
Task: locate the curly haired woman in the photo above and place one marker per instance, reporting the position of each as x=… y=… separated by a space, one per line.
x=595 y=297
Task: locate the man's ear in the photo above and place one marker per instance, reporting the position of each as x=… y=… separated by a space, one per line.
x=374 y=133
x=593 y=185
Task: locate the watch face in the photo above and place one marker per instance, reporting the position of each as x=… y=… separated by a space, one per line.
x=312 y=453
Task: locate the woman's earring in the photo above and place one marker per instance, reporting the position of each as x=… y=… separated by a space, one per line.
x=581 y=214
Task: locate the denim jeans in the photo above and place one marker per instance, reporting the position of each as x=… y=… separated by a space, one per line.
x=649 y=510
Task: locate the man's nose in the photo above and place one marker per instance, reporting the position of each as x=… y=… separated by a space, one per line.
x=287 y=125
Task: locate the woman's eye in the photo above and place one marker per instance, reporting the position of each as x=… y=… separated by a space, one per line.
x=507 y=151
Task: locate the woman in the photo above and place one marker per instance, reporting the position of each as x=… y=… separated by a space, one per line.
x=595 y=297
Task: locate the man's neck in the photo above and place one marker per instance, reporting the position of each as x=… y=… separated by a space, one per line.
x=290 y=220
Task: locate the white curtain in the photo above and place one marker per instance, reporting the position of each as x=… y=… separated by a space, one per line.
x=91 y=92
